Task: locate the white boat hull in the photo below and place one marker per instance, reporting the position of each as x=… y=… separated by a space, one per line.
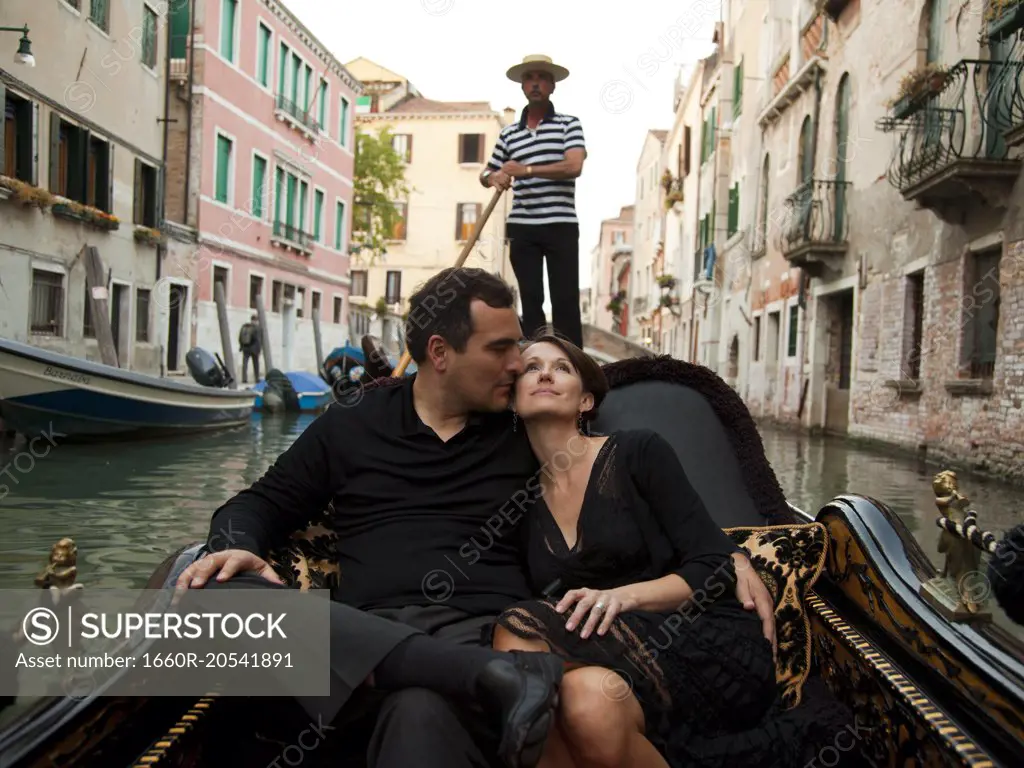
x=43 y=392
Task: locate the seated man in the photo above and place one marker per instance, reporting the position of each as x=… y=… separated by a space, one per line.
x=418 y=471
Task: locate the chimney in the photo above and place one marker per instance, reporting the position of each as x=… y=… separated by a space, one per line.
x=509 y=116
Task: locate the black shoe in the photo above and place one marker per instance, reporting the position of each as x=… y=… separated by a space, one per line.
x=525 y=693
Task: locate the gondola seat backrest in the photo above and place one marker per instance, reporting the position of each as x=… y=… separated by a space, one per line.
x=710 y=428
x=685 y=419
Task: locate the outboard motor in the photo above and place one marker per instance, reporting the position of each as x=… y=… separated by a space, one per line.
x=279 y=394
x=208 y=370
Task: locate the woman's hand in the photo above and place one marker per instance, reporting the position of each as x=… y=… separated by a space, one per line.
x=599 y=607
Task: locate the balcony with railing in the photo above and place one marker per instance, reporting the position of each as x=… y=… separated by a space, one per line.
x=287 y=110
x=290 y=236
x=1005 y=26
x=950 y=127
x=813 y=234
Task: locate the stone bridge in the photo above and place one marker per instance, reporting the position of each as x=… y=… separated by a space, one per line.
x=607 y=347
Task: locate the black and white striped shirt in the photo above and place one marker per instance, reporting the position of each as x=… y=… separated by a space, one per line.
x=535 y=200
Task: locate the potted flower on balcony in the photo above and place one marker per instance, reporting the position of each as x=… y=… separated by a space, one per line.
x=615 y=305
x=382 y=306
x=666 y=282
x=102 y=219
x=149 y=236
x=23 y=193
x=666 y=180
x=916 y=87
x=1004 y=17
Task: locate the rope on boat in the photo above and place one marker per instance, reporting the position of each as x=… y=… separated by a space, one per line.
x=983 y=540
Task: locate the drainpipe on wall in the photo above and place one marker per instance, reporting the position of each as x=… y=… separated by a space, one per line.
x=804 y=278
x=188 y=127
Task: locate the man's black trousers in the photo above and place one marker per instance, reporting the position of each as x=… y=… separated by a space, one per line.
x=411 y=727
x=529 y=244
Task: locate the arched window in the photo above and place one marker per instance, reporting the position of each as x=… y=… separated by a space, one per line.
x=936 y=11
x=762 y=230
x=842 y=155
x=806 y=151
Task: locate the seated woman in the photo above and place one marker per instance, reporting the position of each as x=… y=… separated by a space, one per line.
x=644 y=609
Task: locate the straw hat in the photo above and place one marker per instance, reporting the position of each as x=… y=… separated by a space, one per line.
x=536 y=62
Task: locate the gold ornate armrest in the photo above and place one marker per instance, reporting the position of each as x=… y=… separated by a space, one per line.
x=309 y=559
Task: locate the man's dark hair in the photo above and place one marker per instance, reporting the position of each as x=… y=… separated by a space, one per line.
x=441 y=306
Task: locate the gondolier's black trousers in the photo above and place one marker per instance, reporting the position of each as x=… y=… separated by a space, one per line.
x=529 y=244
x=411 y=727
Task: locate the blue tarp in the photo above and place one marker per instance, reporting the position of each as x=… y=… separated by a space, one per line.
x=304 y=383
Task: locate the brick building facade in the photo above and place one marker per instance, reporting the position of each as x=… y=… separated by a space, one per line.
x=869 y=269
x=259 y=172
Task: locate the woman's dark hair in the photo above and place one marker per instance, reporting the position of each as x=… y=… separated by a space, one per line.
x=591 y=374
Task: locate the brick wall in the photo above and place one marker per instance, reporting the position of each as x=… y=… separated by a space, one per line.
x=981 y=430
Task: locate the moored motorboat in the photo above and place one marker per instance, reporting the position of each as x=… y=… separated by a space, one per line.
x=312 y=393
x=44 y=393
x=920 y=685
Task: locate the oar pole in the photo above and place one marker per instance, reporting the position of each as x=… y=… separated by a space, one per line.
x=406 y=357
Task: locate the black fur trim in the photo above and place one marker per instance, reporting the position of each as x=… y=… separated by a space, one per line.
x=1006 y=574
x=762 y=485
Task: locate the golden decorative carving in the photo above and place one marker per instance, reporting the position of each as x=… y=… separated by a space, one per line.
x=960 y=591
x=58 y=578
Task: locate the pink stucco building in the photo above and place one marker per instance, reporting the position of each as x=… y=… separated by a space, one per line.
x=259 y=173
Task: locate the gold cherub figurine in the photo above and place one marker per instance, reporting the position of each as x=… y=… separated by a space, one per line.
x=61 y=570
x=962 y=557
x=57 y=578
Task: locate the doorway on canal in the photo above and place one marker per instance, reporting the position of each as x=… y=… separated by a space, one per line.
x=836 y=322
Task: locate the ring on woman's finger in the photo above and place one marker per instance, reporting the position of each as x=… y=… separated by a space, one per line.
x=598 y=606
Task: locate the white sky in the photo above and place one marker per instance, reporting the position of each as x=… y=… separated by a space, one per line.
x=622 y=67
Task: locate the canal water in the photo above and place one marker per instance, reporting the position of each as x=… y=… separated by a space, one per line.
x=128 y=506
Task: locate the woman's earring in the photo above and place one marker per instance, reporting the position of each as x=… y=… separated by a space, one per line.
x=515 y=420
x=579 y=423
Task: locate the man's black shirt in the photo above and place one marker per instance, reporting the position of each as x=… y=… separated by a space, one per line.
x=420 y=520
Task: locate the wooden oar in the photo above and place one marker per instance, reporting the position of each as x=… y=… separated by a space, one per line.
x=406 y=357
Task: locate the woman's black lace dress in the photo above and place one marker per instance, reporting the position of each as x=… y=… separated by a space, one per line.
x=704 y=674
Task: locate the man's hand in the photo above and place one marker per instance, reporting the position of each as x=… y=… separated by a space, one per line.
x=754 y=595
x=514 y=169
x=225 y=564
x=499 y=180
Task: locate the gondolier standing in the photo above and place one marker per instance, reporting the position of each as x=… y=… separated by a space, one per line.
x=540 y=157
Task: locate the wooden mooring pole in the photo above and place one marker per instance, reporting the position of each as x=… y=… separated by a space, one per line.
x=225 y=331
x=318 y=341
x=268 y=360
x=97 y=295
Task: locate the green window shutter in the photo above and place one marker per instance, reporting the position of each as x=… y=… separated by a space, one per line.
x=303 y=198
x=343 y=128
x=227 y=29
x=295 y=67
x=180 y=25
x=737 y=88
x=323 y=104
x=223 y=169
x=318 y=212
x=339 y=223
x=148 y=37
x=263 y=57
x=259 y=179
x=282 y=67
x=289 y=214
x=278 y=194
